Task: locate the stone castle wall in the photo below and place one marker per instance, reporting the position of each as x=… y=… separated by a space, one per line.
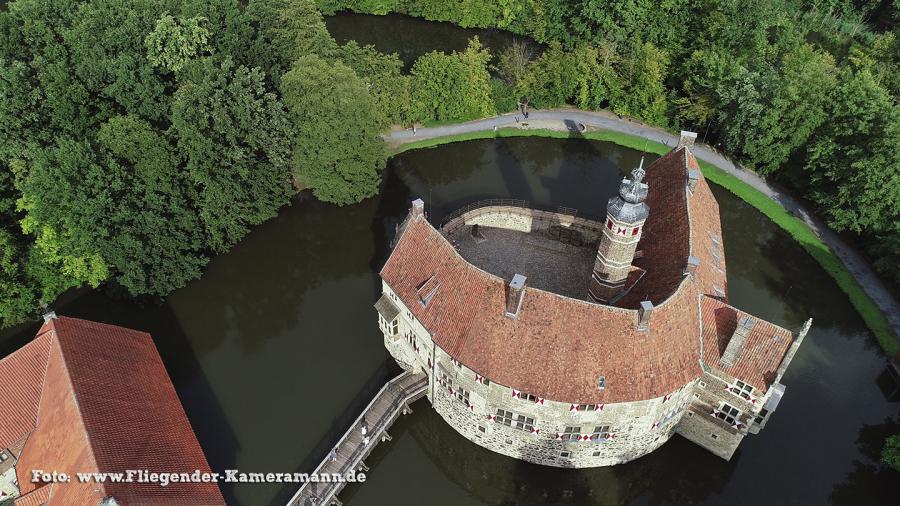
x=702 y=426
x=634 y=428
x=526 y=220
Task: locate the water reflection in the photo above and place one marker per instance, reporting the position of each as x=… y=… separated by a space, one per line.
x=412 y=37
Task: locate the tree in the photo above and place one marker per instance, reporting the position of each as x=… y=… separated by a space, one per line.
x=174 y=41
x=337 y=149
x=702 y=73
x=156 y=239
x=890 y=455
x=550 y=80
x=285 y=31
x=454 y=86
x=852 y=161
x=383 y=77
x=235 y=137
x=643 y=72
x=512 y=62
x=107 y=55
x=230 y=33
x=66 y=199
x=767 y=115
x=17 y=297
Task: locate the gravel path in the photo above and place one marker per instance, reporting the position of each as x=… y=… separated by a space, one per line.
x=569 y=118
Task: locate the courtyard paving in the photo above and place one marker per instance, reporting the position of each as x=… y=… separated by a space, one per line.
x=547 y=263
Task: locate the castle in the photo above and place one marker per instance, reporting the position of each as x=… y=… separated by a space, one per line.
x=574 y=342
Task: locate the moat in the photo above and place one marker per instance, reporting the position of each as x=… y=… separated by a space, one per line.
x=278 y=347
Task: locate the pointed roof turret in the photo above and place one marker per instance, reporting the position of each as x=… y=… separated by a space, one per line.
x=628 y=205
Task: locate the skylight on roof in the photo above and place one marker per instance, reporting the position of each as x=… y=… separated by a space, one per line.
x=427 y=290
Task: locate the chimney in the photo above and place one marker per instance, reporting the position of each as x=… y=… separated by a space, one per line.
x=515 y=295
x=736 y=343
x=418 y=209
x=644 y=313
x=693 y=177
x=49 y=315
x=692 y=264
x=686 y=140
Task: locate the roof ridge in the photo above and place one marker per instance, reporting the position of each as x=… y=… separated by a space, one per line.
x=50 y=338
x=71 y=386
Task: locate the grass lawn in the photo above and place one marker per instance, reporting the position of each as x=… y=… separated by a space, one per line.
x=870 y=313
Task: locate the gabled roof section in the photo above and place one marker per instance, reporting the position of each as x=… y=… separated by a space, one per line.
x=762 y=351
x=681 y=224
x=107 y=404
x=21 y=381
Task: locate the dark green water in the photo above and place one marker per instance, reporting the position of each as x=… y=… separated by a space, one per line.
x=411 y=37
x=276 y=349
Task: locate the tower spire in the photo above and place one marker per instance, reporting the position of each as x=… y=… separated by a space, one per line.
x=625 y=217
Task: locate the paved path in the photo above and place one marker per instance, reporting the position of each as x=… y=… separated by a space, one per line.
x=387 y=405
x=569 y=119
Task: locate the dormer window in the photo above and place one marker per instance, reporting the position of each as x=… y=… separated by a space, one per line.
x=427 y=290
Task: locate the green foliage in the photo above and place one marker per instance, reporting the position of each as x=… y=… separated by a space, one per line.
x=235 y=136
x=766 y=115
x=174 y=42
x=337 y=150
x=105 y=44
x=585 y=76
x=550 y=80
x=890 y=454
x=384 y=80
x=17 y=297
x=853 y=161
x=138 y=137
x=285 y=31
x=454 y=86
x=512 y=62
x=643 y=72
x=229 y=30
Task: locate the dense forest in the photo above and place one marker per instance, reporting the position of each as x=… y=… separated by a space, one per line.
x=140 y=137
x=803 y=91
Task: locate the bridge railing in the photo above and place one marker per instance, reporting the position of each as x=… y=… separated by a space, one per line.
x=400 y=396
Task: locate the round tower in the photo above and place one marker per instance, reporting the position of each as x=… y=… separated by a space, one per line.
x=625 y=217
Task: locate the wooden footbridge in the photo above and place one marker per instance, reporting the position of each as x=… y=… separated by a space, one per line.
x=392 y=400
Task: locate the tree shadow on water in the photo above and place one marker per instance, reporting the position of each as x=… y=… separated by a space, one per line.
x=870 y=481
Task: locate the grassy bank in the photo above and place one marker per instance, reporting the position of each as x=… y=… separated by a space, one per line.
x=870 y=313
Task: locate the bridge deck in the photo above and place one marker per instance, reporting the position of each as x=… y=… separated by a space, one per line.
x=387 y=405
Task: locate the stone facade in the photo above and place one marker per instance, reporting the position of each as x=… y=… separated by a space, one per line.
x=542 y=431
x=523 y=219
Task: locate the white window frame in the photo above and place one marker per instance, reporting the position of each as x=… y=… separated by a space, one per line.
x=732 y=413
x=741 y=389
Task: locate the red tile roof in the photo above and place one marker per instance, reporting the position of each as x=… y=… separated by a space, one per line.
x=106 y=405
x=37 y=497
x=762 y=352
x=559 y=346
x=20 y=399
